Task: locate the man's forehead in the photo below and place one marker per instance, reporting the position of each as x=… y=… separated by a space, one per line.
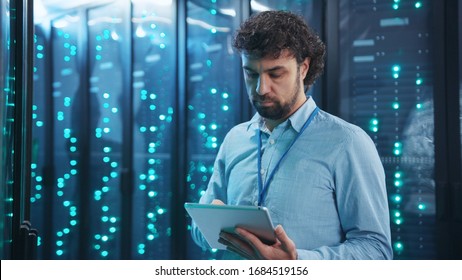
x=285 y=60
x=257 y=55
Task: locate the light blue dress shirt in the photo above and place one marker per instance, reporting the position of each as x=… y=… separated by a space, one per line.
x=329 y=192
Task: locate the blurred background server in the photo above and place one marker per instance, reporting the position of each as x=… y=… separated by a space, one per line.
x=112 y=113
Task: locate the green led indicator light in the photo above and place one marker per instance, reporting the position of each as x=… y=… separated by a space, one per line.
x=397 y=198
x=398 y=247
x=418 y=5
x=421 y=206
x=395 y=105
x=396 y=68
x=418 y=81
x=374 y=125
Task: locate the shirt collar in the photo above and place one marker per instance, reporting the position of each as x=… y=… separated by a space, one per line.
x=297 y=120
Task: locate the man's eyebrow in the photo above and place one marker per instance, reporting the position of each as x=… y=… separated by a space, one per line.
x=275 y=68
x=272 y=69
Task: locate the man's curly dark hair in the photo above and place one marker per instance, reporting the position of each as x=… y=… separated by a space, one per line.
x=269 y=33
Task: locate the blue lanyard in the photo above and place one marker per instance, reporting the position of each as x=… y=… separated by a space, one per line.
x=263 y=189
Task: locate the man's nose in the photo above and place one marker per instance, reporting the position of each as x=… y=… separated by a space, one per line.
x=262 y=85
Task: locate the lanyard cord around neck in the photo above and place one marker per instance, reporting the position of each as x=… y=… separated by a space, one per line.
x=263 y=189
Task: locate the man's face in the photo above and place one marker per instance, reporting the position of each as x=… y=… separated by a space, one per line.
x=275 y=85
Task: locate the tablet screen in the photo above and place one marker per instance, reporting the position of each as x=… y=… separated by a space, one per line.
x=212 y=218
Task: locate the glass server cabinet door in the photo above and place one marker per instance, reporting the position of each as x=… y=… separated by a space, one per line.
x=386 y=88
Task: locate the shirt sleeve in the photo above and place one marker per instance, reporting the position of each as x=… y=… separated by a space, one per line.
x=362 y=204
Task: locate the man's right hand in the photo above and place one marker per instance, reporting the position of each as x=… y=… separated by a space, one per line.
x=217 y=202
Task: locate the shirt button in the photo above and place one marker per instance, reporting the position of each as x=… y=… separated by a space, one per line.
x=262 y=171
x=255 y=203
x=271 y=141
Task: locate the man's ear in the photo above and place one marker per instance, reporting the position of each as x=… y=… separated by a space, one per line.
x=304 y=67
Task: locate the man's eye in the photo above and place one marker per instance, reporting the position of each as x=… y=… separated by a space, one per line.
x=251 y=75
x=275 y=76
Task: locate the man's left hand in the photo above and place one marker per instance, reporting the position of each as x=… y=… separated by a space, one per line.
x=249 y=246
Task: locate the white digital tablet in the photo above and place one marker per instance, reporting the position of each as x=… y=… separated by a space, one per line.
x=211 y=219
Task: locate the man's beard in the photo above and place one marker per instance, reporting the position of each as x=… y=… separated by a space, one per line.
x=278 y=110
